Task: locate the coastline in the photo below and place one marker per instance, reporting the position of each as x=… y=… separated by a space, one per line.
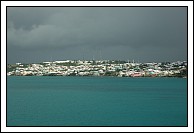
x=99 y=68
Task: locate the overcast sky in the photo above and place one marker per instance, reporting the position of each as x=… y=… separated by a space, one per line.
x=145 y=34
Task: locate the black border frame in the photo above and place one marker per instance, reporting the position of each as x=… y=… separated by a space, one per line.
x=96 y=6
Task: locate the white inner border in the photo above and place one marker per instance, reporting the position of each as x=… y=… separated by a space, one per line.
x=96 y=3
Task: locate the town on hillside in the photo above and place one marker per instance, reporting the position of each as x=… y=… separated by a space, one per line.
x=99 y=68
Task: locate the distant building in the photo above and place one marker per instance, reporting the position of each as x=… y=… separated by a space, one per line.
x=18 y=63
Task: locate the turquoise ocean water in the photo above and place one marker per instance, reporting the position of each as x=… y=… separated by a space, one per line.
x=96 y=101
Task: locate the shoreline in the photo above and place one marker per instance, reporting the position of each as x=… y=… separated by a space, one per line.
x=100 y=68
x=94 y=76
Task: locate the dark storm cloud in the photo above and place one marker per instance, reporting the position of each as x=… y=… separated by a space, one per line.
x=141 y=33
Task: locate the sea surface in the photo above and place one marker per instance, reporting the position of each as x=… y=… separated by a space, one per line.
x=96 y=101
